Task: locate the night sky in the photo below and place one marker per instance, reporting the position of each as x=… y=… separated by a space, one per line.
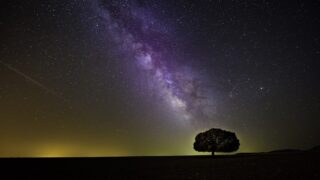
x=122 y=78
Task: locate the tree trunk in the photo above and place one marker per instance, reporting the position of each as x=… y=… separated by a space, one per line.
x=212 y=153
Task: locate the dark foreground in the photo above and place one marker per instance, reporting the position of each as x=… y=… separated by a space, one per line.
x=283 y=165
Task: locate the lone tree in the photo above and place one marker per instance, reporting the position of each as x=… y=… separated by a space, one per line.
x=216 y=140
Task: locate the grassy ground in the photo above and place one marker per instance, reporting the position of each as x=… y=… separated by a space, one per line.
x=281 y=165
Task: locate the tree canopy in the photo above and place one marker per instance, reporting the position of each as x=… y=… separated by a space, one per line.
x=216 y=140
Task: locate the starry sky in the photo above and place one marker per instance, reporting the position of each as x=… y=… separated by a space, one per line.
x=138 y=77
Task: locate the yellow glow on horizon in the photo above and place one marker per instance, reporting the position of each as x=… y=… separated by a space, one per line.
x=76 y=151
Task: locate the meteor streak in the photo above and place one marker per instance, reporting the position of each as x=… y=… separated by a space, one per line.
x=35 y=82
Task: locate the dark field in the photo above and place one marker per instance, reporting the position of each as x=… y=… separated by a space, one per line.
x=280 y=165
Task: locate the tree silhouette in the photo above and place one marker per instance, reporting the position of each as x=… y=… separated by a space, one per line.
x=216 y=140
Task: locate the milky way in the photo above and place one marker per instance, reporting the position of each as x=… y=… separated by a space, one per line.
x=141 y=38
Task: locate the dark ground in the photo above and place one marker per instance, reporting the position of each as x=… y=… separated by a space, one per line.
x=278 y=165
